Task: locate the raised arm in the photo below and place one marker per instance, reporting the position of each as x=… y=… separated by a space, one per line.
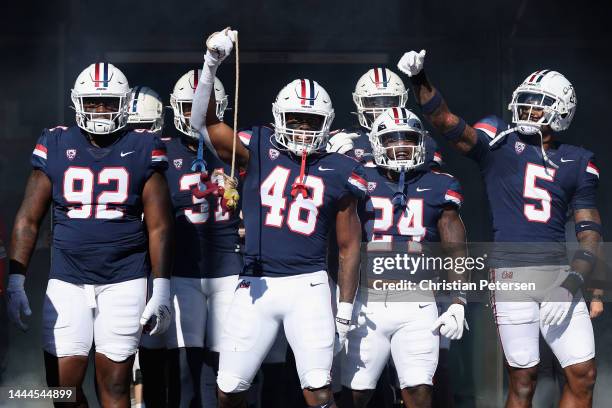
x=218 y=136
x=23 y=240
x=461 y=136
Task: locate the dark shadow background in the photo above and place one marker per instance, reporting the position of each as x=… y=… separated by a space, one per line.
x=477 y=53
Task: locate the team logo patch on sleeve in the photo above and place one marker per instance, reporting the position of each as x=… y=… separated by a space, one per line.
x=591 y=168
x=359 y=153
x=358 y=182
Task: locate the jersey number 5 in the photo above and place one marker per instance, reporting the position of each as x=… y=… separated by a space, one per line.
x=79 y=188
x=540 y=213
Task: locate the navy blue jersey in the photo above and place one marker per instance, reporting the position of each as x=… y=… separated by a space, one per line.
x=207 y=242
x=529 y=200
x=428 y=194
x=287 y=236
x=98 y=233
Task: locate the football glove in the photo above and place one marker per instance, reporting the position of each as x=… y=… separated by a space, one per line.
x=17 y=300
x=341 y=142
x=451 y=322
x=156 y=317
x=556 y=306
x=343 y=324
x=411 y=63
x=219 y=45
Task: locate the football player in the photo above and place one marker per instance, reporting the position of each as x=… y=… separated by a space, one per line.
x=146 y=113
x=293 y=192
x=208 y=258
x=532 y=180
x=101 y=179
x=407 y=203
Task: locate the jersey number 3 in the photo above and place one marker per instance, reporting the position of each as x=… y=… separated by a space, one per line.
x=540 y=213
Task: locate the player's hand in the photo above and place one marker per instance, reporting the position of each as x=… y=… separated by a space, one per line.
x=156 y=316
x=555 y=307
x=17 y=300
x=411 y=63
x=343 y=325
x=451 y=322
x=596 y=308
x=219 y=45
x=341 y=142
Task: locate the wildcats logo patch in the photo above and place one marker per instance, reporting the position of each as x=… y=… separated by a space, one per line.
x=178 y=163
x=519 y=147
x=71 y=154
x=273 y=153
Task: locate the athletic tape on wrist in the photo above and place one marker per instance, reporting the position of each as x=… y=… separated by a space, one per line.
x=433 y=104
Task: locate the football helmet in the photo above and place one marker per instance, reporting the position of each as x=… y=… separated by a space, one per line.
x=544 y=98
x=146 y=109
x=303 y=101
x=101 y=80
x=398 y=140
x=181 y=99
x=377 y=90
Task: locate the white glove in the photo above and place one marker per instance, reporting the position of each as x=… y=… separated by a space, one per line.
x=556 y=305
x=451 y=322
x=17 y=300
x=343 y=324
x=156 y=316
x=219 y=45
x=411 y=63
x=341 y=142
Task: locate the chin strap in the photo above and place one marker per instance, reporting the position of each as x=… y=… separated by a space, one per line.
x=299 y=187
x=399 y=197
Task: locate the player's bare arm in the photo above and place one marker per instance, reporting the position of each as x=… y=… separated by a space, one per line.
x=452 y=238
x=589 y=240
x=462 y=136
x=348 y=235
x=218 y=136
x=27 y=222
x=158 y=218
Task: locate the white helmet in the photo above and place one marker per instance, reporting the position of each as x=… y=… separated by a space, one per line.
x=306 y=99
x=377 y=90
x=183 y=93
x=548 y=91
x=146 y=108
x=101 y=80
x=397 y=125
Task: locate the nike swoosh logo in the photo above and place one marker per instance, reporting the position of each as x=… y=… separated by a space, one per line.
x=316 y=284
x=419 y=189
x=423 y=306
x=566 y=160
x=324 y=169
x=126 y=154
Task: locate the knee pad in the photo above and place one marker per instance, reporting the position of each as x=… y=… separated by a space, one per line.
x=314 y=379
x=230 y=384
x=523 y=359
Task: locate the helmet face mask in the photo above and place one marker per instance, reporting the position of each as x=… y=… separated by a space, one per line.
x=398 y=140
x=302 y=117
x=100 y=97
x=377 y=90
x=545 y=98
x=146 y=110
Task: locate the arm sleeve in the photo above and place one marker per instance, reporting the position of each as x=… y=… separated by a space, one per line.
x=586 y=188
x=159 y=158
x=453 y=195
x=356 y=183
x=486 y=129
x=39 y=154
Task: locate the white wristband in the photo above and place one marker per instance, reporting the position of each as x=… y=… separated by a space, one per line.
x=161 y=288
